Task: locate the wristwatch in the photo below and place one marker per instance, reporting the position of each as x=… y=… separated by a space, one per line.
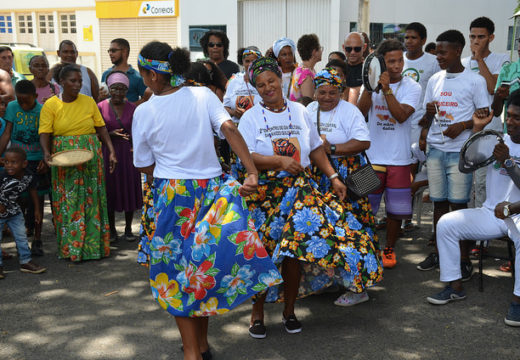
x=509 y=163
x=388 y=92
x=507 y=212
x=332 y=149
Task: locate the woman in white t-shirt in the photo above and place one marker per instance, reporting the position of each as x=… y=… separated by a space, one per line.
x=240 y=94
x=205 y=257
x=345 y=136
x=296 y=222
x=284 y=50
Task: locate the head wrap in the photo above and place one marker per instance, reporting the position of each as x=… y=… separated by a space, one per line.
x=162 y=67
x=263 y=64
x=117 y=78
x=327 y=76
x=279 y=44
x=248 y=52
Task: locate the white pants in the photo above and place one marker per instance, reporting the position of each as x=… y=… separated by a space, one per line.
x=472 y=224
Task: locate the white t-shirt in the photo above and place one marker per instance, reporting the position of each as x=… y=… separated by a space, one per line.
x=390 y=140
x=458 y=95
x=259 y=127
x=494 y=63
x=176 y=133
x=420 y=70
x=240 y=92
x=340 y=125
x=499 y=186
x=286 y=83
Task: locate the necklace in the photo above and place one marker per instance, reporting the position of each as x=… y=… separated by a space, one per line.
x=273 y=109
x=267 y=125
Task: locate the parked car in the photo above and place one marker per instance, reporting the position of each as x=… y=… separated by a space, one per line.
x=22 y=54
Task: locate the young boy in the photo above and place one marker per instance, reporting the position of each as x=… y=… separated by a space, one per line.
x=14 y=180
x=452 y=97
x=389 y=112
x=23 y=117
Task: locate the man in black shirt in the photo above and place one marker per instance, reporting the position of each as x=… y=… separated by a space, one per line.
x=354 y=46
x=215 y=45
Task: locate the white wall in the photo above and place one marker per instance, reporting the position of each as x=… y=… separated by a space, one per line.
x=209 y=12
x=45 y=4
x=437 y=16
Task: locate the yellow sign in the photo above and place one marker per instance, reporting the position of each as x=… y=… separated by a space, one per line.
x=136 y=8
x=88 y=34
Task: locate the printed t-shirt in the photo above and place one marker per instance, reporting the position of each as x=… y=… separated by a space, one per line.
x=25 y=129
x=420 y=70
x=499 y=185
x=10 y=190
x=300 y=74
x=137 y=86
x=390 y=140
x=175 y=132
x=79 y=117
x=264 y=130
x=341 y=124
x=240 y=94
x=494 y=63
x=458 y=96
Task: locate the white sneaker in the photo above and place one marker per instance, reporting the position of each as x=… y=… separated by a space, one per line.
x=351 y=299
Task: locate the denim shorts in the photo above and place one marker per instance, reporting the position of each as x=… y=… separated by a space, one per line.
x=445 y=181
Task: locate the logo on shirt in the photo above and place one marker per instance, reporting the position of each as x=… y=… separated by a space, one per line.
x=386 y=118
x=412 y=73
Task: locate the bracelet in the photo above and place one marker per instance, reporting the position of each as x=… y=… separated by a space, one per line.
x=333 y=176
x=388 y=92
x=464 y=125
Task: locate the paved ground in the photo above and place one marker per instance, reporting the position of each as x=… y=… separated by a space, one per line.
x=104 y=310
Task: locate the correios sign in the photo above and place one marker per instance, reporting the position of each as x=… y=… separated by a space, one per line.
x=136 y=8
x=157 y=8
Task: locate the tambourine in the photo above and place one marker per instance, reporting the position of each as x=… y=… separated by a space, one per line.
x=373 y=67
x=477 y=151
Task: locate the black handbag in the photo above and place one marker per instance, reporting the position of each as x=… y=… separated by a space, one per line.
x=359 y=182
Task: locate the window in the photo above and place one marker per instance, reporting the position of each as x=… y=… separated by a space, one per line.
x=6 y=24
x=46 y=24
x=383 y=31
x=25 y=24
x=68 y=23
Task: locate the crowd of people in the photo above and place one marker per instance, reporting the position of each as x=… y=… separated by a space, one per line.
x=245 y=171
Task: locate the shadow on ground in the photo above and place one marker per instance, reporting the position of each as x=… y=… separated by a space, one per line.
x=104 y=310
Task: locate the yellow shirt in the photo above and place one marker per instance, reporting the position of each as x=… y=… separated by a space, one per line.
x=79 y=117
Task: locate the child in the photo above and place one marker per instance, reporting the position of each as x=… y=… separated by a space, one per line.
x=14 y=180
x=23 y=117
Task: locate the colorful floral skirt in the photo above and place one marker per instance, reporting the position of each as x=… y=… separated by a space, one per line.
x=205 y=256
x=361 y=210
x=294 y=219
x=147 y=228
x=79 y=202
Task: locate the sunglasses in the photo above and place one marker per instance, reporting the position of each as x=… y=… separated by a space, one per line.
x=211 y=44
x=350 y=48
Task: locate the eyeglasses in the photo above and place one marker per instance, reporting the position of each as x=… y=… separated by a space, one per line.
x=113 y=50
x=211 y=44
x=350 y=48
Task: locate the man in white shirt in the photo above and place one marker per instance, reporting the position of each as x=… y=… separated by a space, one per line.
x=494 y=219
x=389 y=113
x=420 y=66
x=452 y=97
x=487 y=64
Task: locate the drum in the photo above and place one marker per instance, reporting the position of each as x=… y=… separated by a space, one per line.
x=373 y=67
x=477 y=151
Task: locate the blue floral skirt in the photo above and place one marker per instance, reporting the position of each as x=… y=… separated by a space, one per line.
x=205 y=256
x=295 y=219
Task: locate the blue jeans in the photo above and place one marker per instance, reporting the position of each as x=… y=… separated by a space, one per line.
x=17 y=226
x=445 y=181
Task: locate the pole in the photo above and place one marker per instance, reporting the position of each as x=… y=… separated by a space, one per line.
x=363 y=16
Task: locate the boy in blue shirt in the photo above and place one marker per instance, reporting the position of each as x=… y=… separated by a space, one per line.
x=22 y=120
x=14 y=180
